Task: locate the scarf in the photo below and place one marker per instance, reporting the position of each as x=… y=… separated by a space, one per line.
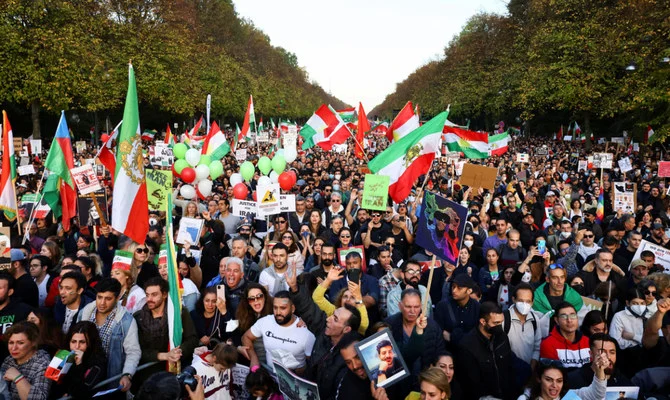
x=279 y=280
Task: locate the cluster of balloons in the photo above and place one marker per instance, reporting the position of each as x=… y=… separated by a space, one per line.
x=195 y=169
x=274 y=171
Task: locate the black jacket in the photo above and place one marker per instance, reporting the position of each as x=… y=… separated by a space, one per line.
x=433 y=341
x=582 y=377
x=489 y=366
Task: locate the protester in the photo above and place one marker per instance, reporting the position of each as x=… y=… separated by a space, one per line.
x=24 y=369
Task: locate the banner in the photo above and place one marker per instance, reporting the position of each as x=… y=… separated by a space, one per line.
x=661 y=253
x=85 y=179
x=268 y=200
x=441 y=227
x=376 y=192
x=244 y=208
x=159 y=185
x=624 y=197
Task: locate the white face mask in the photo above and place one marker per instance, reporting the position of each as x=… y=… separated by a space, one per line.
x=336 y=188
x=338 y=176
x=496 y=203
x=522 y=308
x=638 y=309
x=526 y=277
x=468 y=243
x=565 y=235
x=582 y=201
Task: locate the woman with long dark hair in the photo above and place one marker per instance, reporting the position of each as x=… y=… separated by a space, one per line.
x=210 y=317
x=550 y=381
x=258 y=304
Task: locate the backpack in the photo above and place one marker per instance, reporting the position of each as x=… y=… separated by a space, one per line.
x=507 y=323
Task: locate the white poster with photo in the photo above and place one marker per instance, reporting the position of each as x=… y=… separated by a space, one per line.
x=603 y=160
x=661 y=253
x=80 y=146
x=625 y=165
x=522 y=158
x=189 y=230
x=624 y=197
x=268 y=200
x=287 y=202
x=262 y=137
x=36 y=146
x=582 y=165
x=85 y=179
x=241 y=155
x=161 y=155
x=25 y=169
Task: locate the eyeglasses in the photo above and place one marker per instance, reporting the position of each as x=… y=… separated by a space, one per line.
x=345 y=236
x=335 y=200
x=281 y=221
x=566 y=317
x=556 y=266
x=252 y=299
x=547 y=362
x=413 y=272
x=40 y=266
x=646 y=292
x=376 y=215
x=141 y=250
x=588 y=236
x=389 y=244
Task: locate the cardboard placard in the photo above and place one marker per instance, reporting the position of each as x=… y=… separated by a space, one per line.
x=661 y=253
x=522 y=158
x=287 y=202
x=664 y=169
x=25 y=169
x=625 y=196
x=375 y=194
x=478 y=176
x=189 y=230
x=592 y=304
x=159 y=185
x=18 y=145
x=268 y=200
x=85 y=179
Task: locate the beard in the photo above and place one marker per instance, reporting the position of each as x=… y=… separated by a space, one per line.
x=413 y=283
x=327 y=262
x=281 y=319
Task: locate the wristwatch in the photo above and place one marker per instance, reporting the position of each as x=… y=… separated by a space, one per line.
x=359 y=302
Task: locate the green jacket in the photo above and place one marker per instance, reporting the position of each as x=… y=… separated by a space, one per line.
x=541 y=302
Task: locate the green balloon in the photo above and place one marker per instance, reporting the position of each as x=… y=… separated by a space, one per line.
x=247 y=170
x=215 y=169
x=180 y=165
x=179 y=150
x=264 y=165
x=279 y=163
x=205 y=160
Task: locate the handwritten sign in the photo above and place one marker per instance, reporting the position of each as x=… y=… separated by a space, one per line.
x=25 y=169
x=241 y=155
x=86 y=179
x=159 y=185
x=287 y=202
x=244 y=208
x=625 y=165
x=661 y=253
x=375 y=195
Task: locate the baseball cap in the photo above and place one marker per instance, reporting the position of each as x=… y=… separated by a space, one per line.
x=463 y=280
x=637 y=263
x=17 y=255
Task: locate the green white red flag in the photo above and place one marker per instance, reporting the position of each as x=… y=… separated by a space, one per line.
x=216 y=146
x=249 y=124
x=410 y=157
x=404 y=123
x=498 y=144
x=8 y=177
x=325 y=128
x=175 y=285
x=130 y=207
x=59 y=189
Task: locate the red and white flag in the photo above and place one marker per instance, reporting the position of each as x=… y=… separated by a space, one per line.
x=107 y=155
x=404 y=123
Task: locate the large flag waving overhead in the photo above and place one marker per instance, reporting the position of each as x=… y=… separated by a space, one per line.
x=363 y=128
x=59 y=189
x=249 y=124
x=404 y=123
x=169 y=137
x=410 y=157
x=8 y=178
x=498 y=144
x=130 y=209
x=324 y=128
x=471 y=144
x=215 y=145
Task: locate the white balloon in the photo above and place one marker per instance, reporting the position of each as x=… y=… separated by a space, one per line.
x=201 y=172
x=264 y=181
x=235 y=179
x=192 y=157
x=280 y=152
x=290 y=154
x=187 y=191
x=274 y=177
x=205 y=187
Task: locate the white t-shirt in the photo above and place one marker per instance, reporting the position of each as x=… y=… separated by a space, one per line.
x=69 y=318
x=297 y=341
x=216 y=384
x=268 y=281
x=43 y=289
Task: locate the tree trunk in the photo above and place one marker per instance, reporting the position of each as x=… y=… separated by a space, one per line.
x=35 y=116
x=96 y=129
x=587 y=131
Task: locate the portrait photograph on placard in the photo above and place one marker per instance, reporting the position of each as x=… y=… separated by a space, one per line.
x=441 y=227
x=88 y=213
x=381 y=358
x=343 y=251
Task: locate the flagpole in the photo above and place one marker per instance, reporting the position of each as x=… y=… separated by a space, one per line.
x=16 y=201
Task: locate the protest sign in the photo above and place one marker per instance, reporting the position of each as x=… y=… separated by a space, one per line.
x=478 y=176
x=287 y=202
x=189 y=230
x=161 y=155
x=244 y=208
x=636 y=147
x=80 y=146
x=625 y=165
x=159 y=185
x=522 y=158
x=376 y=192
x=262 y=137
x=622 y=393
x=241 y=155
x=239 y=377
x=340 y=148
x=89 y=214
x=5 y=247
x=24 y=152
x=452 y=157
x=268 y=200
x=18 y=144
x=624 y=197
x=664 y=169
x=25 y=169
x=582 y=165
x=395 y=368
x=661 y=253
x=441 y=227
x=591 y=304
x=85 y=179
x=36 y=146
x=542 y=151
x=24 y=161
x=603 y=160
x=294 y=387
x=343 y=251
x=27 y=205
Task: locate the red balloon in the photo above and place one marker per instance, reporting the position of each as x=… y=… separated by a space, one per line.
x=240 y=191
x=294 y=176
x=285 y=181
x=104 y=137
x=253 y=195
x=188 y=174
x=174 y=171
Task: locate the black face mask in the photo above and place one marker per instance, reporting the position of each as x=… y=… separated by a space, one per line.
x=579 y=289
x=245 y=235
x=495 y=330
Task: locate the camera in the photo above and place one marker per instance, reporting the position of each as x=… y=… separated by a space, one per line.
x=187 y=378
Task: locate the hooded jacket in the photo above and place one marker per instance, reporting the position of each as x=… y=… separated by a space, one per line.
x=572 y=354
x=541 y=303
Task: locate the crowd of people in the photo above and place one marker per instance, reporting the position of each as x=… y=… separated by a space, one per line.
x=546 y=296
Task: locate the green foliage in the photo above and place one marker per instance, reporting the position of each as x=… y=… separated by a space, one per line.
x=551 y=61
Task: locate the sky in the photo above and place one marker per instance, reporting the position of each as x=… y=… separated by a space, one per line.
x=359 y=50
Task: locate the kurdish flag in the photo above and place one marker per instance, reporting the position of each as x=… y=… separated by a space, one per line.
x=348 y=114
x=498 y=144
x=324 y=128
x=8 y=178
x=410 y=157
x=59 y=190
x=471 y=144
x=249 y=124
x=169 y=137
x=130 y=214
x=215 y=145
x=403 y=124
x=175 y=286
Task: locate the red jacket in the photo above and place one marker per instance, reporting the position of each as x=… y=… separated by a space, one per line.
x=572 y=355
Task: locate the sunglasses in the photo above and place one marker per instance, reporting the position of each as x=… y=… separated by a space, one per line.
x=281 y=221
x=335 y=200
x=646 y=292
x=345 y=236
x=413 y=272
x=556 y=266
x=389 y=244
x=141 y=250
x=376 y=215
x=588 y=236
x=252 y=299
